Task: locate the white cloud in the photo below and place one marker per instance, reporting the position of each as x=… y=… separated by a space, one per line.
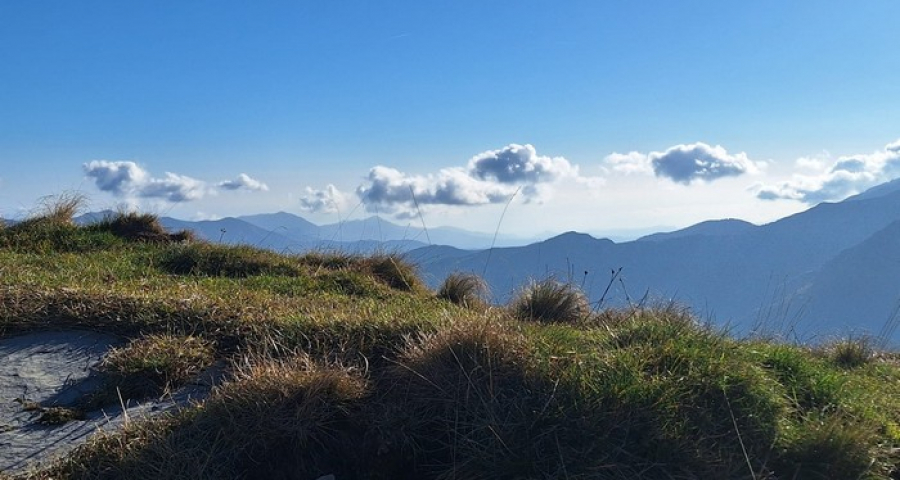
x=699 y=161
x=488 y=178
x=451 y=186
x=131 y=181
x=814 y=162
x=684 y=163
x=329 y=200
x=200 y=216
x=174 y=188
x=119 y=178
x=847 y=176
x=629 y=163
x=519 y=164
x=243 y=181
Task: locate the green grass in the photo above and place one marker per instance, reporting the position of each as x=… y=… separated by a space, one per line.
x=347 y=365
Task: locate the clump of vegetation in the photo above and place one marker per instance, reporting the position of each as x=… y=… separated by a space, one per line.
x=59 y=209
x=136 y=226
x=851 y=352
x=811 y=386
x=236 y=261
x=333 y=260
x=394 y=270
x=52 y=229
x=60 y=415
x=829 y=445
x=676 y=392
x=155 y=363
x=467 y=396
x=465 y=289
x=551 y=301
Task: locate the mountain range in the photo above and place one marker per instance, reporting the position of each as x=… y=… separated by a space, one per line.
x=286 y=232
x=831 y=270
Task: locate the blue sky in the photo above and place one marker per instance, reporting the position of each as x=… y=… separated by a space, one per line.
x=595 y=116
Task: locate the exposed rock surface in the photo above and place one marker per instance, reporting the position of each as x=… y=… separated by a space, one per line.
x=47 y=369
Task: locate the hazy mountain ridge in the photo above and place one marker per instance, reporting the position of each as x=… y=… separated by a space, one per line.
x=730 y=271
x=376 y=229
x=728 y=226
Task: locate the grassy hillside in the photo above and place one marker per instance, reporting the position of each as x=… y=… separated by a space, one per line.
x=347 y=365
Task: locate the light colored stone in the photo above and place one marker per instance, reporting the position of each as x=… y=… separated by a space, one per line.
x=56 y=369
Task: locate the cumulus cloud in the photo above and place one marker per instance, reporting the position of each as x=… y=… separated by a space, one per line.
x=119 y=178
x=130 y=180
x=846 y=176
x=451 y=186
x=684 y=163
x=174 y=188
x=629 y=163
x=699 y=161
x=489 y=177
x=244 y=181
x=329 y=200
x=814 y=162
x=519 y=164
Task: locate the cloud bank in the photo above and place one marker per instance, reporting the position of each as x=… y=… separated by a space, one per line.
x=847 y=176
x=488 y=178
x=685 y=163
x=130 y=180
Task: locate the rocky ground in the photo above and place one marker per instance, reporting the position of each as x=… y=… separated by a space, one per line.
x=42 y=371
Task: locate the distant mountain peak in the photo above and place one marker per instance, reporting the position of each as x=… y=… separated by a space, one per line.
x=572 y=238
x=722 y=227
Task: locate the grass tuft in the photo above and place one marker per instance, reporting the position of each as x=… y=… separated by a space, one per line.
x=134 y=226
x=826 y=446
x=60 y=415
x=60 y=209
x=550 y=301
x=394 y=270
x=154 y=364
x=52 y=229
x=463 y=404
x=851 y=353
x=465 y=289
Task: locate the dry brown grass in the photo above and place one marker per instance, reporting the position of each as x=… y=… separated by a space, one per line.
x=551 y=301
x=850 y=352
x=278 y=419
x=134 y=226
x=465 y=289
x=466 y=400
x=60 y=209
x=155 y=363
x=394 y=270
